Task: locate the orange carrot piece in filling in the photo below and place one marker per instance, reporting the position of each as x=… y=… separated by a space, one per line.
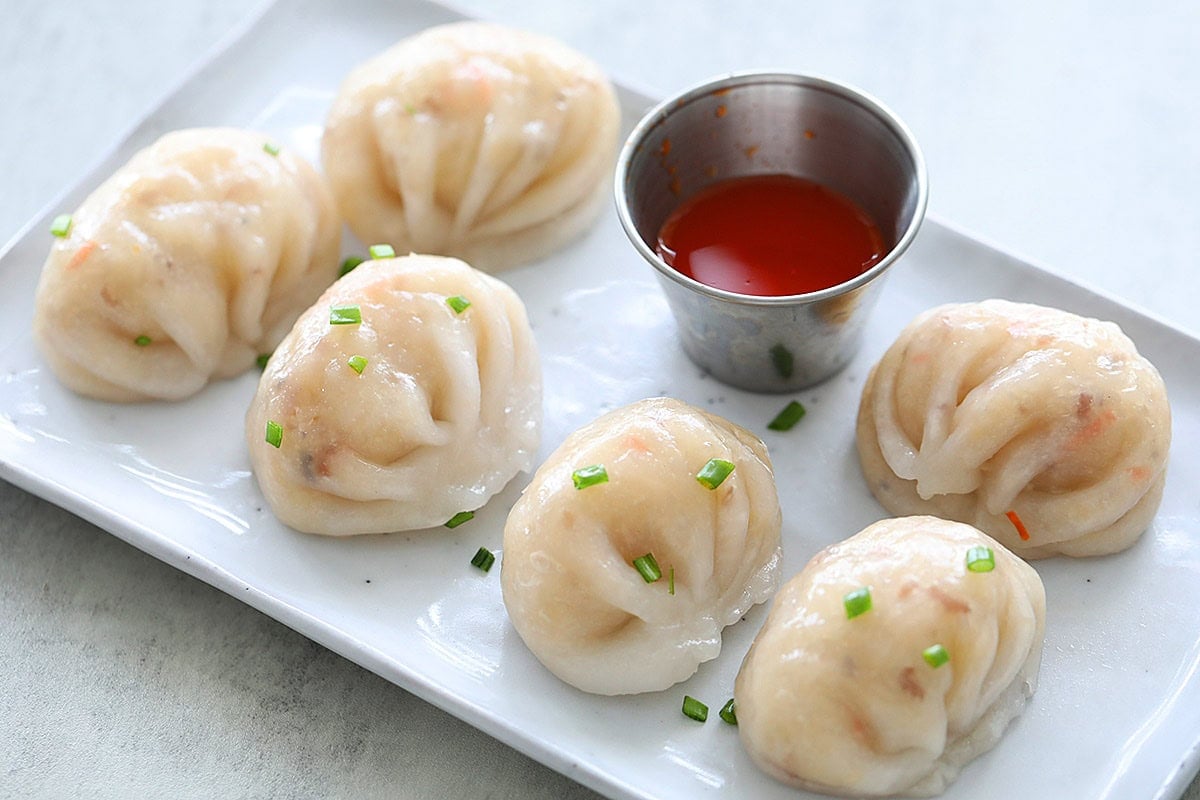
x=1020 y=526
x=82 y=254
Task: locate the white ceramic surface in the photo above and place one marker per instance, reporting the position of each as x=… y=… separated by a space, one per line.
x=1119 y=690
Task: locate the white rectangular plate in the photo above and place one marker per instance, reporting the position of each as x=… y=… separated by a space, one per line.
x=1117 y=713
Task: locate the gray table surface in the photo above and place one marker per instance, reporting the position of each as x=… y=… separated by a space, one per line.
x=1067 y=132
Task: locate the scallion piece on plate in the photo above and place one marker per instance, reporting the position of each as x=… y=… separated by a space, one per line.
x=345 y=315
x=458 y=303
x=935 y=655
x=647 y=567
x=483 y=559
x=274 y=433
x=349 y=263
x=589 y=476
x=357 y=363
x=728 y=712
x=981 y=559
x=671 y=580
x=381 y=251
x=271 y=148
x=857 y=602
x=61 y=225
x=143 y=340
x=262 y=360
x=786 y=419
x=460 y=518
x=694 y=709
x=714 y=473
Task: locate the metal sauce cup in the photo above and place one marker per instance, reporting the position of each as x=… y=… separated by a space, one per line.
x=765 y=123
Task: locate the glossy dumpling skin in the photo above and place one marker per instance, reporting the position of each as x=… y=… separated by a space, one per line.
x=850 y=706
x=446 y=409
x=981 y=409
x=473 y=140
x=205 y=245
x=569 y=585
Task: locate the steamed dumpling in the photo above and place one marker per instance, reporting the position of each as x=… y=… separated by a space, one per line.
x=472 y=140
x=866 y=706
x=570 y=586
x=424 y=408
x=185 y=265
x=1015 y=417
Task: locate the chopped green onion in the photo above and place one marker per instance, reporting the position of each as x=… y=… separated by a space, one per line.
x=857 y=602
x=783 y=361
x=262 y=360
x=460 y=518
x=647 y=567
x=142 y=340
x=671 y=580
x=274 y=433
x=345 y=315
x=694 y=708
x=381 y=251
x=589 y=476
x=981 y=559
x=786 y=419
x=357 y=363
x=728 y=712
x=410 y=109
x=458 y=303
x=271 y=148
x=935 y=655
x=61 y=225
x=349 y=264
x=483 y=559
x=714 y=473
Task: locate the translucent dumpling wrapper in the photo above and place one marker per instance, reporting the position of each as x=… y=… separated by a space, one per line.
x=189 y=262
x=1045 y=429
x=568 y=573
x=473 y=140
x=409 y=392
x=894 y=700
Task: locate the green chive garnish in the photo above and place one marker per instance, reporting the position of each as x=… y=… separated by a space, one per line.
x=714 y=473
x=357 y=363
x=589 y=476
x=694 y=708
x=274 y=433
x=262 y=360
x=671 y=580
x=728 y=712
x=460 y=518
x=61 y=225
x=142 y=340
x=345 y=315
x=483 y=559
x=857 y=602
x=981 y=559
x=647 y=567
x=349 y=264
x=787 y=418
x=271 y=148
x=783 y=361
x=935 y=655
x=381 y=251
x=458 y=303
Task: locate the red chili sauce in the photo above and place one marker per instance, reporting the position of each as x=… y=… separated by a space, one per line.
x=770 y=235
